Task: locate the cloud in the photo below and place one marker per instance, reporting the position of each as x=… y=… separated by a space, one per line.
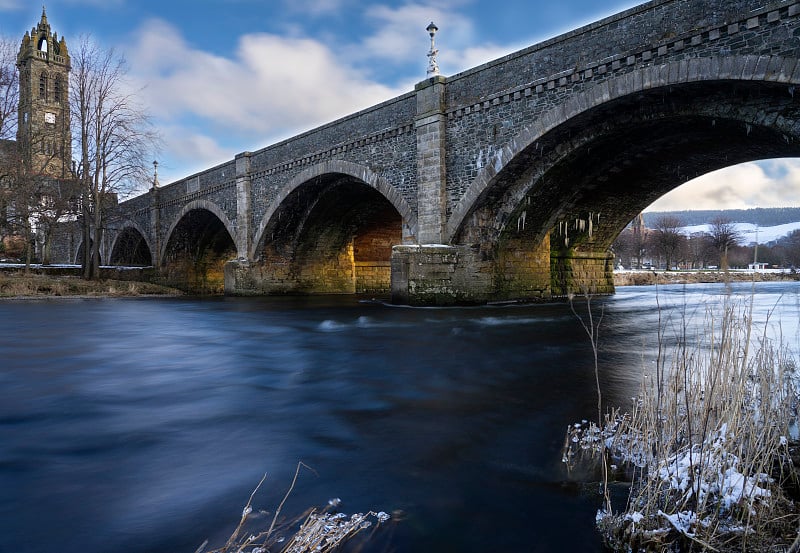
x=396 y=28
x=189 y=152
x=272 y=84
x=271 y=87
x=391 y=41
x=10 y=5
x=771 y=183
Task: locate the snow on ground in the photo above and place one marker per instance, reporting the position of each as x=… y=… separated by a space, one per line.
x=749 y=231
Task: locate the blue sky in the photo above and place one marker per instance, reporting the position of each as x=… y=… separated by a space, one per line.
x=221 y=77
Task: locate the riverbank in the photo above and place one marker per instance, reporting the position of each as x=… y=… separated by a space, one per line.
x=64 y=281
x=640 y=278
x=18 y=285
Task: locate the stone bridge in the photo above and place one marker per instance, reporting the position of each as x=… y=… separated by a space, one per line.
x=507 y=181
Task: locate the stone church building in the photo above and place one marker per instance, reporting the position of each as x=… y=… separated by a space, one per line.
x=38 y=165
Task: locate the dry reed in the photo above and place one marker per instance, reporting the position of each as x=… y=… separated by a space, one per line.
x=706 y=444
x=317 y=531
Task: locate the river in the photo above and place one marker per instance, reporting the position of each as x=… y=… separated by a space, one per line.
x=142 y=425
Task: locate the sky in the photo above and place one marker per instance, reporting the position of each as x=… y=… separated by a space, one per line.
x=221 y=77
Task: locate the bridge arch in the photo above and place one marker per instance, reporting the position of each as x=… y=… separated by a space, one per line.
x=200 y=240
x=337 y=167
x=78 y=258
x=539 y=154
x=331 y=230
x=198 y=205
x=131 y=246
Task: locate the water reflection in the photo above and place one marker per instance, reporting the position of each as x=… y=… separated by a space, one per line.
x=142 y=425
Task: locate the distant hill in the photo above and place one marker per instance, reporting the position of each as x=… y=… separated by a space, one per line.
x=750 y=232
x=760 y=216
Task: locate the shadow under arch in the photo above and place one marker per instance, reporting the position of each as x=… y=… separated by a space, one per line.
x=330 y=231
x=199 y=205
x=541 y=153
x=199 y=244
x=131 y=246
x=336 y=167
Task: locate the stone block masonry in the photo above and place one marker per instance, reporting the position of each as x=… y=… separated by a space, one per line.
x=582 y=273
x=456 y=275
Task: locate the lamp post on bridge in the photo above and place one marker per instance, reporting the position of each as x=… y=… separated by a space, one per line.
x=433 y=66
x=155 y=218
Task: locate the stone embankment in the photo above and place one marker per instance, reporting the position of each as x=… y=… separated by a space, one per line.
x=638 y=278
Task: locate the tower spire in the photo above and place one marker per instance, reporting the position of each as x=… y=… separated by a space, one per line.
x=44 y=130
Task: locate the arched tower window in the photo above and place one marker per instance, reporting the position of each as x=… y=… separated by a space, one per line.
x=43 y=44
x=57 y=89
x=43 y=86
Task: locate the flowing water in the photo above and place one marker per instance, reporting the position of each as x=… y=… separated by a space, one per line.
x=142 y=425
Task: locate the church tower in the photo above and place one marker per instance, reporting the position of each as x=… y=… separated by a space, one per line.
x=43 y=128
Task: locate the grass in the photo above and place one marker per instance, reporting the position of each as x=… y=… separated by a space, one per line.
x=19 y=285
x=706 y=445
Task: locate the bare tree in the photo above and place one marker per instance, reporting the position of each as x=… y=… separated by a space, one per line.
x=33 y=202
x=668 y=239
x=9 y=99
x=56 y=199
x=623 y=247
x=640 y=241
x=723 y=235
x=791 y=245
x=114 y=138
x=9 y=88
x=698 y=250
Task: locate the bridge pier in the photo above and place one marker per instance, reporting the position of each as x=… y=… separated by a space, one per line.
x=582 y=272
x=453 y=275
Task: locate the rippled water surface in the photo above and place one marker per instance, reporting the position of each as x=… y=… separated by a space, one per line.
x=142 y=425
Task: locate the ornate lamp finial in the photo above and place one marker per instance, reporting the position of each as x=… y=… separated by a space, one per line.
x=155 y=174
x=433 y=67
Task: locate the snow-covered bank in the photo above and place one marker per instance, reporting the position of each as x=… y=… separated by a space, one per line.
x=639 y=278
